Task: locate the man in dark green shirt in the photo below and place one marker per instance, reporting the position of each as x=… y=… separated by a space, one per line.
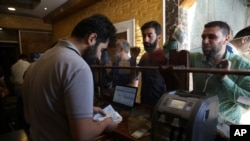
x=233 y=90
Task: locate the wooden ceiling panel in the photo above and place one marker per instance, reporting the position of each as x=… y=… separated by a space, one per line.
x=25 y=4
x=35 y=8
x=67 y=9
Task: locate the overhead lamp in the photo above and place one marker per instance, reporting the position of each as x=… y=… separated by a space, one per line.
x=11 y=8
x=186 y=4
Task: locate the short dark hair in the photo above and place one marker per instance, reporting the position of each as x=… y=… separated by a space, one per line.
x=152 y=24
x=99 y=24
x=243 y=32
x=223 y=25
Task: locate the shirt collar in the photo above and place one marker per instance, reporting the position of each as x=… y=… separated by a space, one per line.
x=69 y=45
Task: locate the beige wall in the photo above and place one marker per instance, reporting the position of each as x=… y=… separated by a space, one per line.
x=118 y=11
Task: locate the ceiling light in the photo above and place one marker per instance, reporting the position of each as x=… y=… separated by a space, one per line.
x=45 y=8
x=11 y=8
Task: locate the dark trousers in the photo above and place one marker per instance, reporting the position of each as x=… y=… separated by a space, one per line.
x=20 y=111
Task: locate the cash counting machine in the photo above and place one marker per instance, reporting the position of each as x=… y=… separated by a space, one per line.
x=185 y=116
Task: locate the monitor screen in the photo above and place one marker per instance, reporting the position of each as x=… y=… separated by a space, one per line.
x=178 y=104
x=125 y=95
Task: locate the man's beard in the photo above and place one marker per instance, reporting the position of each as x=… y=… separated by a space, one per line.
x=90 y=54
x=149 y=47
x=209 y=53
x=213 y=51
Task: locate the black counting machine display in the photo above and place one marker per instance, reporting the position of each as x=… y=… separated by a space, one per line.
x=185 y=116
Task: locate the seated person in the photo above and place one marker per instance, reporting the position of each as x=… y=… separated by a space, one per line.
x=122 y=59
x=231 y=89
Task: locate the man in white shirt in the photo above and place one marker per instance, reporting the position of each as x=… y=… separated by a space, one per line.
x=18 y=69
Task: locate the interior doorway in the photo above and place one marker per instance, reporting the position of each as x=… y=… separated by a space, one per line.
x=8 y=56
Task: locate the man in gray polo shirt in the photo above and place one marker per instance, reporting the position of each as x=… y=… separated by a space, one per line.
x=58 y=88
